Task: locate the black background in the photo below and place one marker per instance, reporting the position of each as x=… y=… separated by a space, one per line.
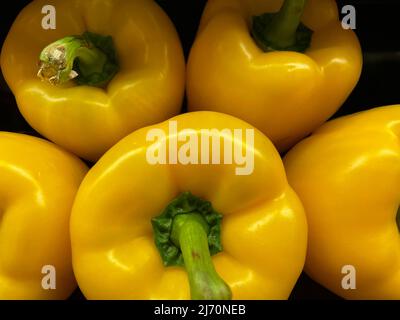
x=379 y=33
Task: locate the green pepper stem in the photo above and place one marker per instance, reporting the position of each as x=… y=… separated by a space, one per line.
x=398 y=219
x=78 y=57
x=281 y=32
x=189 y=232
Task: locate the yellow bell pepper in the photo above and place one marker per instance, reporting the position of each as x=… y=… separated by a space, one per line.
x=38 y=183
x=109 y=68
x=347 y=175
x=283 y=77
x=135 y=224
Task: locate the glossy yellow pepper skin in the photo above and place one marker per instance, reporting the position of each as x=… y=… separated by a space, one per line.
x=88 y=120
x=347 y=175
x=264 y=231
x=284 y=94
x=38 y=183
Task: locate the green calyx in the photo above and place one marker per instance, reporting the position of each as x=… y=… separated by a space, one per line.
x=398 y=219
x=187 y=234
x=282 y=31
x=89 y=59
x=186 y=203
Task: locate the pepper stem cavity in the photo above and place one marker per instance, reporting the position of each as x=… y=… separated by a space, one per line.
x=89 y=59
x=187 y=234
x=283 y=30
